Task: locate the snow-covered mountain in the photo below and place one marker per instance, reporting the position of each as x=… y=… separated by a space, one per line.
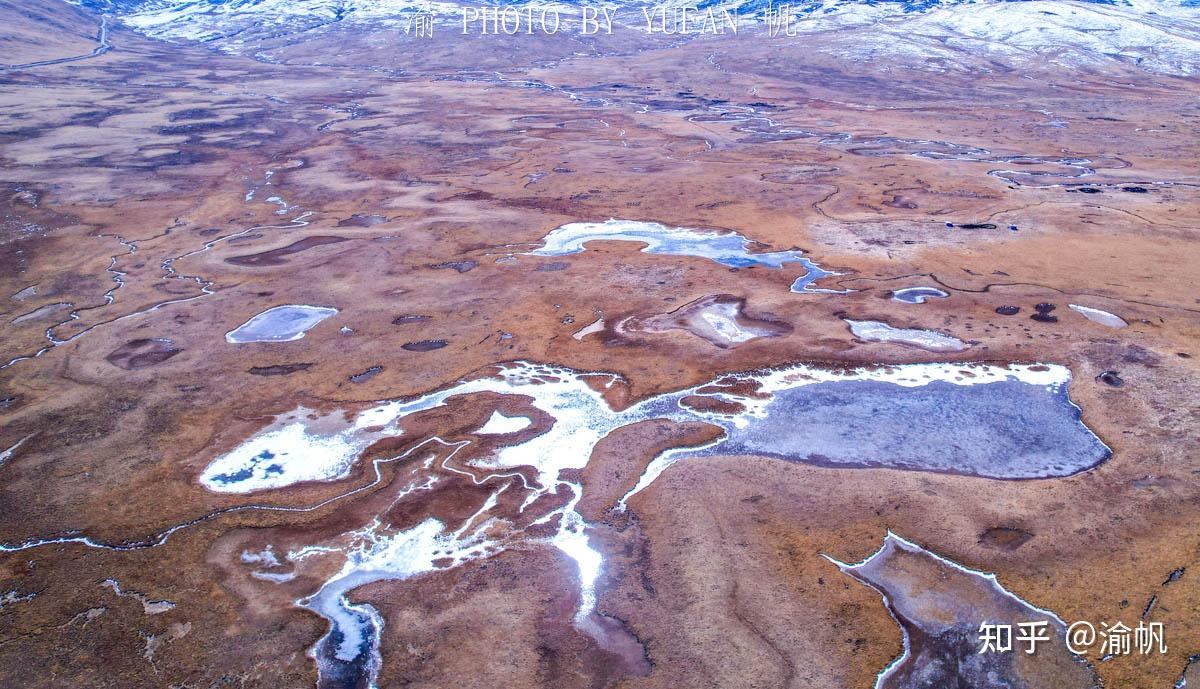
x=1158 y=36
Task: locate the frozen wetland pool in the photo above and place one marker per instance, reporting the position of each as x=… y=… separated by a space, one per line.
x=983 y=420
x=1004 y=429
x=918 y=295
x=727 y=248
x=1007 y=422
x=280 y=324
x=939 y=605
x=878 y=331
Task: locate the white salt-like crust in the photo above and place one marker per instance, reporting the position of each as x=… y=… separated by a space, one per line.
x=878 y=331
x=499 y=424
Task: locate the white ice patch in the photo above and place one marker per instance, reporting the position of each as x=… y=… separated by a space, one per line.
x=377 y=553
x=1112 y=320
x=500 y=424
x=593 y=327
x=918 y=295
x=280 y=324
x=149 y=607
x=727 y=248
x=878 y=331
x=265 y=557
x=10 y=597
x=284 y=454
x=7 y=454
x=274 y=577
x=722 y=318
x=572 y=539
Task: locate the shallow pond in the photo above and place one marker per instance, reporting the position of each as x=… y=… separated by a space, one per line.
x=727 y=248
x=878 y=331
x=280 y=324
x=939 y=605
x=918 y=295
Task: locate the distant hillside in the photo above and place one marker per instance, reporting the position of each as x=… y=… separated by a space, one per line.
x=1158 y=36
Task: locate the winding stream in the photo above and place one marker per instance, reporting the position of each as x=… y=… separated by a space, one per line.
x=169 y=273
x=101 y=38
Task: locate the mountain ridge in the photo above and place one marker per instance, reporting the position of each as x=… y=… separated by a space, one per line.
x=1156 y=36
